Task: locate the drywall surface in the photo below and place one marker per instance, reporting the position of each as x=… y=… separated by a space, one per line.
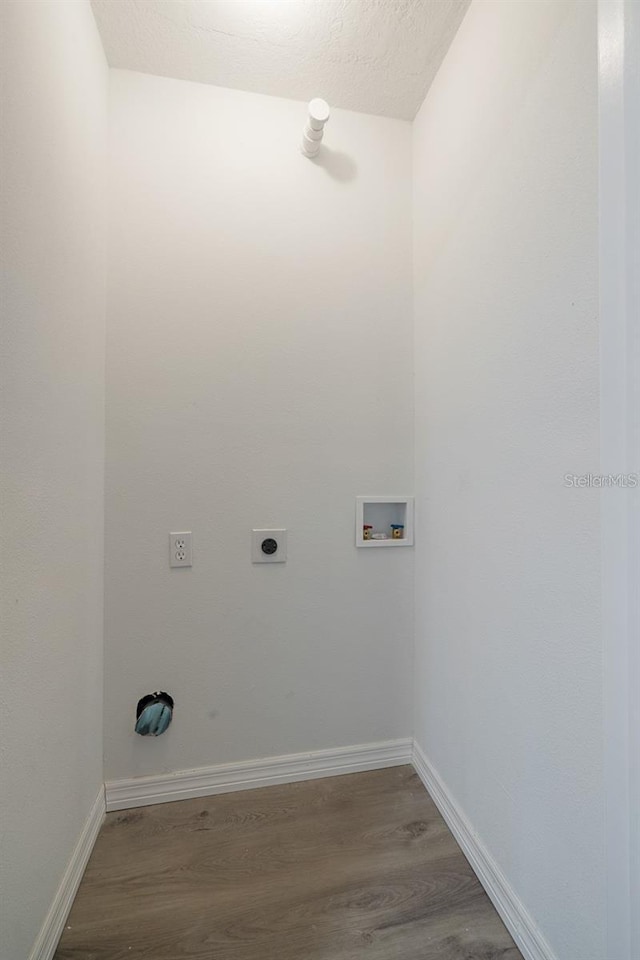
x=52 y=247
x=259 y=375
x=508 y=669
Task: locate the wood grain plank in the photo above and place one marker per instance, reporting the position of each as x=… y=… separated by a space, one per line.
x=347 y=868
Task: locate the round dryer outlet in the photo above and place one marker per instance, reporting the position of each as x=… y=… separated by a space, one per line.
x=268 y=546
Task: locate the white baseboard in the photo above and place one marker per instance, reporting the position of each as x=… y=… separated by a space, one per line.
x=518 y=922
x=225 y=778
x=51 y=931
x=247 y=775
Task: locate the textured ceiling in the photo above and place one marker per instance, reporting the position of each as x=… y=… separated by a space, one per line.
x=376 y=56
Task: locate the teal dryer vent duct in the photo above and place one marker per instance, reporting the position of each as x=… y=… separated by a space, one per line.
x=154 y=714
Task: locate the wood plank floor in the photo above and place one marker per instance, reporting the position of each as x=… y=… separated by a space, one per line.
x=358 y=867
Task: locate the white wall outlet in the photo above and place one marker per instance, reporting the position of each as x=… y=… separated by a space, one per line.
x=268 y=546
x=180 y=554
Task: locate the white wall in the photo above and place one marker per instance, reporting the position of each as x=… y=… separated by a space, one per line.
x=54 y=99
x=259 y=374
x=508 y=669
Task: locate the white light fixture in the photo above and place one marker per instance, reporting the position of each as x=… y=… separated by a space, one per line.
x=314 y=127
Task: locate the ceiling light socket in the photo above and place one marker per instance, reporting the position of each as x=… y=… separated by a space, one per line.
x=314 y=128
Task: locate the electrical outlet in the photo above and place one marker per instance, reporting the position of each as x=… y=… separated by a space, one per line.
x=269 y=546
x=180 y=554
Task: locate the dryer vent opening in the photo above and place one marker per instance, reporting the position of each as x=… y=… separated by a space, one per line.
x=154 y=713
